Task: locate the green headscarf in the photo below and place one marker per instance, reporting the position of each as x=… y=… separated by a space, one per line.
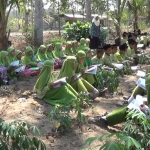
x=82 y=44
x=58 y=53
x=27 y=58
x=79 y=55
x=41 y=56
x=74 y=48
x=67 y=69
x=68 y=51
x=147 y=82
x=10 y=57
x=88 y=60
x=50 y=55
x=17 y=52
x=45 y=76
x=2 y=59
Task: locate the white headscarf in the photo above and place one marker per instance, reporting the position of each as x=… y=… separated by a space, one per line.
x=96 y=22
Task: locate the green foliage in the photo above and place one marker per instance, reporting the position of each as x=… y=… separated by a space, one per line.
x=28 y=33
x=57 y=39
x=133 y=136
x=17 y=135
x=77 y=30
x=108 y=79
x=61 y=113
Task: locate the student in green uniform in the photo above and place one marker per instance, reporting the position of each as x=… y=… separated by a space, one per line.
x=18 y=55
x=50 y=52
x=11 y=54
x=124 y=38
x=68 y=49
x=107 y=56
x=82 y=44
x=131 y=51
x=81 y=55
x=74 y=47
x=121 y=54
x=119 y=115
x=88 y=58
x=41 y=53
x=79 y=84
x=114 y=51
x=97 y=59
x=58 y=50
x=28 y=59
x=87 y=42
x=46 y=88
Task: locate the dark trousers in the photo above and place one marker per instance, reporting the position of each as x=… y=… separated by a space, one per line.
x=94 y=42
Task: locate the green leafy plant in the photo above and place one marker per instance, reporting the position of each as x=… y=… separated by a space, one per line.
x=57 y=39
x=60 y=114
x=17 y=135
x=134 y=134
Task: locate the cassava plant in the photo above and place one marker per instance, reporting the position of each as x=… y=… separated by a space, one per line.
x=60 y=114
x=19 y=135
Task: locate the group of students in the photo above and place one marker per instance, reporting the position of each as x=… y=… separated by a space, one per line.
x=73 y=60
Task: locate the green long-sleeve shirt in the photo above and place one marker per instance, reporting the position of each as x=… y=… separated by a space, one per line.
x=114 y=58
x=96 y=60
x=107 y=60
x=130 y=52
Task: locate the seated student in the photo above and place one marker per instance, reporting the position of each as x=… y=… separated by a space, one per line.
x=41 y=53
x=124 y=38
x=74 y=46
x=50 y=52
x=131 y=51
x=107 y=56
x=68 y=49
x=81 y=69
x=28 y=59
x=97 y=59
x=114 y=51
x=119 y=115
x=18 y=55
x=88 y=58
x=11 y=55
x=121 y=54
x=3 y=69
x=81 y=44
x=58 y=50
x=79 y=84
x=144 y=39
x=46 y=88
x=87 y=42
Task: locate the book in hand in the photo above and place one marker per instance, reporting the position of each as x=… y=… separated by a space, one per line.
x=74 y=78
x=119 y=66
x=136 y=103
x=57 y=82
x=15 y=63
x=141 y=83
x=20 y=69
x=92 y=70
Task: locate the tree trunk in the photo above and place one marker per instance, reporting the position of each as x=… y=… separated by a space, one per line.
x=38 y=23
x=3 y=37
x=88 y=11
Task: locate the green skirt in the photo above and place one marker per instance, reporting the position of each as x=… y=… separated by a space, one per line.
x=61 y=95
x=89 y=78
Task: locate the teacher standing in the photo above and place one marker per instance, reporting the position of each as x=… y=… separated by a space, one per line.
x=95 y=33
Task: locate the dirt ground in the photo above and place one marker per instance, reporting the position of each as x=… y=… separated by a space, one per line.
x=35 y=112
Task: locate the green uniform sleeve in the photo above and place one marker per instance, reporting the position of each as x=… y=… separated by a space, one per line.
x=107 y=60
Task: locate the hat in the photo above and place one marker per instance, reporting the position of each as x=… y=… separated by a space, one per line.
x=105 y=47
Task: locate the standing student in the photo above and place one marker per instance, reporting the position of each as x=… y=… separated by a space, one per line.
x=41 y=53
x=114 y=51
x=107 y=55
x=97 y=59
x=79 y=84
x=50 y=92
x=95 y=33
